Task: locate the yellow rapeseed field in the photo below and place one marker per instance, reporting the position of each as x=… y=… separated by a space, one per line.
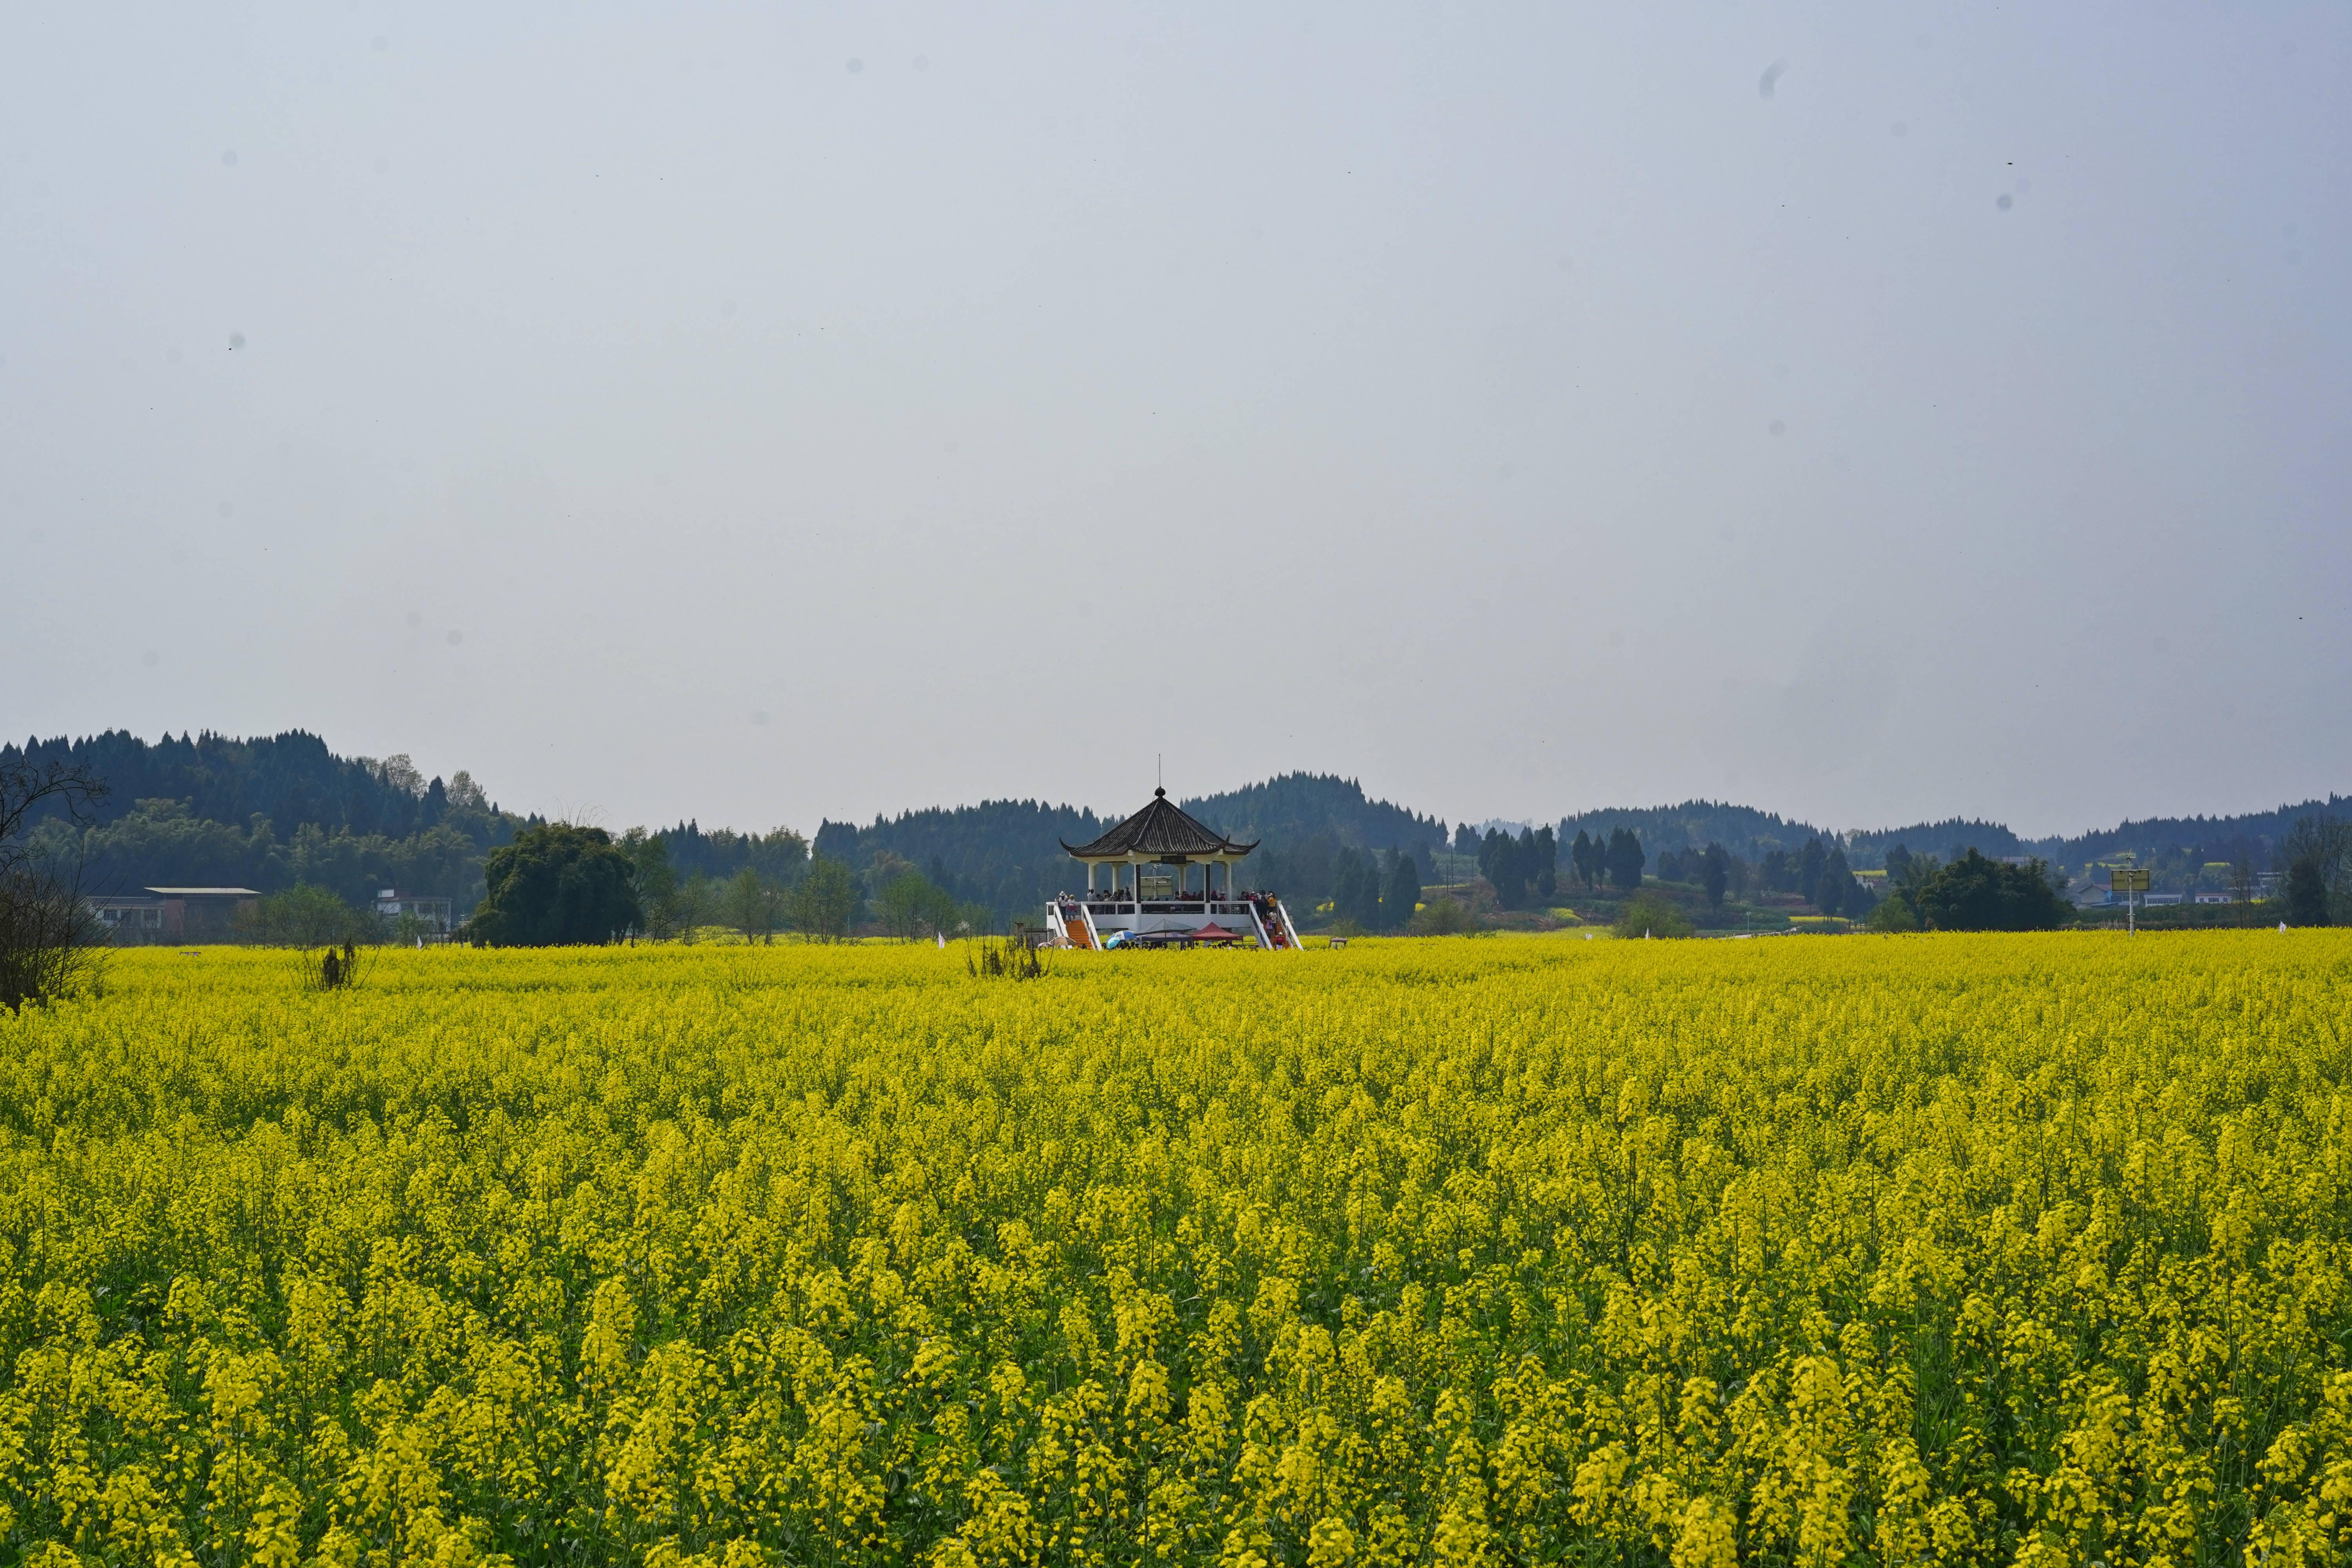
x=1958 y=1250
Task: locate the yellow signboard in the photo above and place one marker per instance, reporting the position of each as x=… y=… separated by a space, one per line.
x=2127 y=881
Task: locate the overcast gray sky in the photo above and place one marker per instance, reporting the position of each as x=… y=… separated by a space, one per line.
x=1870 y=412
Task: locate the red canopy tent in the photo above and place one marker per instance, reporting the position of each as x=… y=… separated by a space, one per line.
x=1212 y=931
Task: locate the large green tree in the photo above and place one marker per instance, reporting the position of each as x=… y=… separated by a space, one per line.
x=554 y=886
x=2318 y=854
x=2306 y=892
x=1973 y=893
x=824 y=906
x=657 y=885
x=308 y=917
x=752 y=905
x=1519 y=870
x=911 y=906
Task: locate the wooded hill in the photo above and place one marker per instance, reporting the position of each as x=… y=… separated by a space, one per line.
x=268 y=813
x=272 y=811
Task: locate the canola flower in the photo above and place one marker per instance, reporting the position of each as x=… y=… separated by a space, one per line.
x=1998 y=1249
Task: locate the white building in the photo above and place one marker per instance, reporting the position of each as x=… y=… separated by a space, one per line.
x=431 y=912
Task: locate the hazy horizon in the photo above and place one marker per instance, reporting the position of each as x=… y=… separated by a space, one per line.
x=1871 y=415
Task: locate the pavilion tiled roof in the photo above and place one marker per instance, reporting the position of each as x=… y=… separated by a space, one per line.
x=1161 y=830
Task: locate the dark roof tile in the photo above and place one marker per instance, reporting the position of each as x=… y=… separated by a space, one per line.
x=1162 y=829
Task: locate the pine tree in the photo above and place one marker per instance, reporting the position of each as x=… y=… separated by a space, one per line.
x=1715 y=874
x=1404 y=891
x=1346 y=886
x=1809 y=870
x=1503 y=864
x=2306 y=892
x=1625 y=859
x=1832 y=894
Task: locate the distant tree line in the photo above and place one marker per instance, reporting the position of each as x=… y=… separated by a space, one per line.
x=1818 y=872
x=291 y=779
x=282 y=812
x=1322 y=868
x=2176 y=847
x=777 y=884
x=1370 y=890
x=1742 y=831
x=1522 y=871
x=1615 y=861
x=302 y=818
x=1003 y=855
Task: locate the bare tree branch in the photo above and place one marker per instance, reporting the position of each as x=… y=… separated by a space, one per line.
x=25 y=784
x=49 y=937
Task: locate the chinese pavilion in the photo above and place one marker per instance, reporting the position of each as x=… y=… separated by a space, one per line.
x=1161 y=879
